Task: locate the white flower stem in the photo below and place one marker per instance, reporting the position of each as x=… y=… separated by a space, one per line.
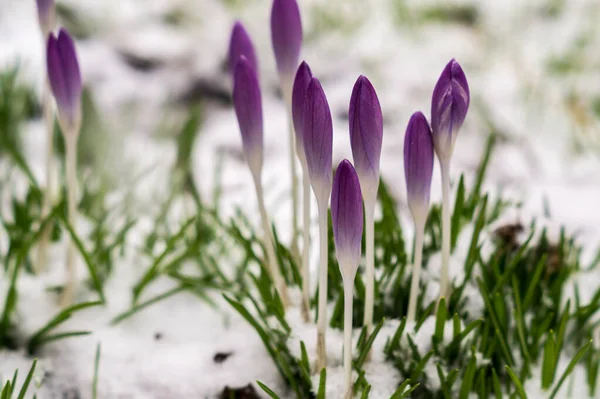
x=305 y=245
x=348 y=296
x=293 y=169
x=370 y=260
x=71 y=172
x=322 y=321
x=47 y=205
x=445 y=168
x=269 y=244
x=418 y=255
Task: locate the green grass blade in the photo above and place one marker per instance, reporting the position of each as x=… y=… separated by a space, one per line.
x=517 y=382
x=570 y=368
x=267 y=390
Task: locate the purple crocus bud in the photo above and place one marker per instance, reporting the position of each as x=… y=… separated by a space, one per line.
x=418 y=165
x=449 y=106
x=248 y=109
x=318 y=139
x=240 y=44
x=347 y=217
x=301 y=83
x=286 y=36
x=65 y=80
x=46 y=15
x=366 y=134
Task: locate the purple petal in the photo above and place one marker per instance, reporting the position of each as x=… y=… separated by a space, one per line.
x=301 y=83
x=248 y=109
x=318 y=138
x=64 y=76
x=418 y=162
x=46 y=14
x=347 y=215
x=449 y=106
x=286 y=35
x=240 y=44
x=366 y=130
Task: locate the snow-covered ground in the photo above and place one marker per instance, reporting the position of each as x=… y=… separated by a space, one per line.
x=548 y=151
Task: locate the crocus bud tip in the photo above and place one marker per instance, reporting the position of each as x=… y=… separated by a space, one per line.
x=286 y=36
x=240 y=44
x=301 y=83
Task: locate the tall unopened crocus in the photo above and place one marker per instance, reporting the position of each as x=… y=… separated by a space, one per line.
x=247 y=102
x=318 y=140
x=449 y=106
x=286 y=37
x=46 y=16
x=347 y=223
x=366 y=135
x=418 y=169
x=65 y=81
x=240 y=44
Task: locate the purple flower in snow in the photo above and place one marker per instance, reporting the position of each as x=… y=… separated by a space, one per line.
x=347 y=216
x=46 y=15
x=418 y=164
x=286 y=36
x=240 y=44
x=301 y=83
x=366 y=133
x=449 y=106
x=318 y=139
x=65 y=80
x=248 y=109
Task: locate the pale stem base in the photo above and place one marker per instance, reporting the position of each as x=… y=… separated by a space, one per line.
x=294 y=175
x=323 y=263
x=348 y=296
x=305 y=246
x=446 y=221
x=42 y=251
x=269 y=244
x=71 y=172
x=370 y=263
x=414 y=285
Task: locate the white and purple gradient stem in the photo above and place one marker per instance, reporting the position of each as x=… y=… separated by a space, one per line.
x=305 y=244
x=370 y=262
x=348 y=303
x=286 y=86
x=323 y=263
x=71 y=139
x=416 y=272
x=446 y=227
x=269 y=243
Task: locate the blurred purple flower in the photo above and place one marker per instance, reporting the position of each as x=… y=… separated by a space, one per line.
x=240 y=44
x=318 y=139
x=286 y=36
x=347 y=216
x=366 y=133
x=65 y=79
x=449 y=106
x=46 y=15
x=418 y=164
x=248 y=109
x=301 y=83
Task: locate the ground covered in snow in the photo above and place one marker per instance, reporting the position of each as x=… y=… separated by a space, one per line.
x=532 y=69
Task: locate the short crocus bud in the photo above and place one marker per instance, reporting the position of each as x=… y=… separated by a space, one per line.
x=286 y=36
x=318 y=139
x=301 y=83
x=418 y=165
x=248 y=109
x=46 y=16
x=449 y=106
x=366 y=134
x=347 y=217
x=65 y=80
x=240 y=45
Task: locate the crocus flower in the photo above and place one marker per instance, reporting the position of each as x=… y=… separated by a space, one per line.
x=318 y=139
x=248 y=109
x=449 y=106
x=65 y=80
x=418 y=164
x=46 y=15
x=240 y=45
x=366 y=133
x=347 y=217
x=286 y=36
x=301 y=83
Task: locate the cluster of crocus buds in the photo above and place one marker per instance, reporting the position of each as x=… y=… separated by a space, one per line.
x=352 y=186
